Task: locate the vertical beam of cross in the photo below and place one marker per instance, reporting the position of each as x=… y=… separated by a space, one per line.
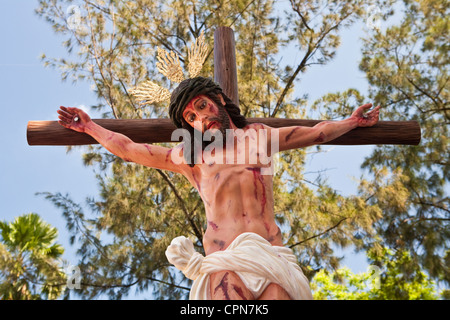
x=225 y=68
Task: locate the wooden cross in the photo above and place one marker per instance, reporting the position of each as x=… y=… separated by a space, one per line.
x=225 y=73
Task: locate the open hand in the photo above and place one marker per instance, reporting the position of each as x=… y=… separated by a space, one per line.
x=73 y=118
x=366 y=119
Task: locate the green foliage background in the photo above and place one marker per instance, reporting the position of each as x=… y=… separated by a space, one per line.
x=30 y=260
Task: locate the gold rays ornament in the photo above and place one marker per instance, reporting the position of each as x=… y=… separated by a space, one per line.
x=168 y=64
x=197 y=55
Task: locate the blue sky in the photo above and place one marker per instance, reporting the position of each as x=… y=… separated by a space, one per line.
x=31 y=92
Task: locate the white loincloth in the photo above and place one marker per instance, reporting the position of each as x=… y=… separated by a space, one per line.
x=250 y=256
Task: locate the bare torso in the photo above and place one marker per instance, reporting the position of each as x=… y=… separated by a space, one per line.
x=238 y=197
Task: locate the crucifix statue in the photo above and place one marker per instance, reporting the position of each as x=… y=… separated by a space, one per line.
x=229 y=159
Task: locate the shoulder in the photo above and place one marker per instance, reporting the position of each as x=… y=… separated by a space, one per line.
x=258 y=126
x=178 y=153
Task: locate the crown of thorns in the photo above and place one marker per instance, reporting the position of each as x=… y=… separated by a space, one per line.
x=168 y=64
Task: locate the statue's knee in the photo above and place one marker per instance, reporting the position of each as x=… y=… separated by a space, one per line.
x=227 y=285
x=274 y=292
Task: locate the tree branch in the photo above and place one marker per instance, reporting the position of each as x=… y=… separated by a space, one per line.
x=311 y=51
x=320 y=234
x=197 y=232
x=296 y=9
x=291 y=80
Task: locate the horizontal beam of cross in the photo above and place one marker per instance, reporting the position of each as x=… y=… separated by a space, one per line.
x=51 y=133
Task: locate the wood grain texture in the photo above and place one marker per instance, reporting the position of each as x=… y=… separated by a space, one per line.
x=51 y=133
x=225 y=70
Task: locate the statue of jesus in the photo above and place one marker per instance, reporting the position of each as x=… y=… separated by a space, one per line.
x=244 y=254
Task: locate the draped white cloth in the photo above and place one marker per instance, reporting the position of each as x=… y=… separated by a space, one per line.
x=250 y=256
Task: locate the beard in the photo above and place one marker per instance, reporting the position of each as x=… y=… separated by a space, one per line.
x=223 y=120
x=224 y=123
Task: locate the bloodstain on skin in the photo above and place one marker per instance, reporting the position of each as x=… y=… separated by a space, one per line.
x=258 y=177
x=320 y=138
x=290 y=134
x=149 y=149
x=239 y=292
x=254 y=181
x=121 y=146
x=264 y=199
x=213 y=225
x=118 y=142
x=224 y=286
x=220 y=243
x=110 y=137
x=168 y=154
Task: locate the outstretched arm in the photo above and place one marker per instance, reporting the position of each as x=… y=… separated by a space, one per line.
x=119 y=144
x=298 y=136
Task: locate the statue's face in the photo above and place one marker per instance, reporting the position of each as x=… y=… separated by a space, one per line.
x=204 y=114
